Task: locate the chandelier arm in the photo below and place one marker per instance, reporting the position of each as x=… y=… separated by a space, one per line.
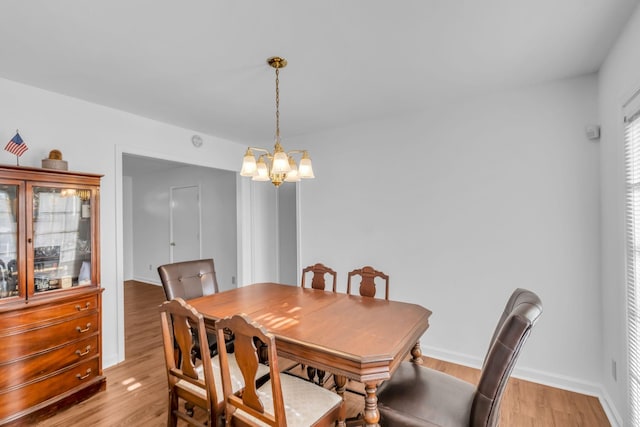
x=262 y=150
x=297 y=151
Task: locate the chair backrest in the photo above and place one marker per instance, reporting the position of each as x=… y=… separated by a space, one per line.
x=179 y=321
x=368 y=281
x=189 y=279
x=318 y=281
x=246 y=331
x=520 y=314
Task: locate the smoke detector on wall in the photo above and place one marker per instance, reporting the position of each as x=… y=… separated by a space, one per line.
x=196 y=140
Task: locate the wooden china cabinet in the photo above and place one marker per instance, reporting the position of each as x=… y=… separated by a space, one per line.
x=50 y=294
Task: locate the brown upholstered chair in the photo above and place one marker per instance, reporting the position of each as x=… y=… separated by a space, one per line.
x=368 y=277
x=419 y=396
x=284 y=400
x=187 y=280
x=318 y=281
x=197 y=383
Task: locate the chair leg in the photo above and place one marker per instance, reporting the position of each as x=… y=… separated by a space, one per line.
x=172 y=420
x=321 y=375
x=188 y=408
x=311 y=373
x=262 y=352
x=355 y=421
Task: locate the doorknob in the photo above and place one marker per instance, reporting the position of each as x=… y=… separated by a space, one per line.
x=172 y=244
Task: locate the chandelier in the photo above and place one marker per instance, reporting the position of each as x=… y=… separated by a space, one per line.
x=279 y=166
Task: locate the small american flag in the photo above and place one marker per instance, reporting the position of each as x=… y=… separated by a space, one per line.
x=16 y=145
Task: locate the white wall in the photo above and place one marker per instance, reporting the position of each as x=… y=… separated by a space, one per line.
x=151 y=211
x=619 y=78
x=461 y=205
x=92 y=138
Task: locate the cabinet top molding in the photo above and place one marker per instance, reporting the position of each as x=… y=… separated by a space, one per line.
x=12 y=171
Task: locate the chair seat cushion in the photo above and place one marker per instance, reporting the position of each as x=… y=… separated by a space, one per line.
x=304 y=402
x=419 y=396
x=237 y=382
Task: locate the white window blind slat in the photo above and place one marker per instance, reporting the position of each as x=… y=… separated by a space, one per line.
x=632 y=148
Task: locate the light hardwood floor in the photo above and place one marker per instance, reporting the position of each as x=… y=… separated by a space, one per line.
x=136 y=388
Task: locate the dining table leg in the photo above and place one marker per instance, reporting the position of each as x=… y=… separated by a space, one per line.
x=371 y=414
x=416 y=354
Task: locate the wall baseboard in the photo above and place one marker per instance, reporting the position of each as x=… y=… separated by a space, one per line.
x=537 y=376
x=152 y=281
x=609 y=408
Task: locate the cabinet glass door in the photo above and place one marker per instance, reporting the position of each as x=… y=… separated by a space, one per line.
x=61 y=238
x=9 y=283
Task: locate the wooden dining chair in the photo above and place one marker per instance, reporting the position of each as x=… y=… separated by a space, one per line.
x=284 y=400
x=419 y=396
x=320 y=272
x=368 y=276
x=199 y=383
x=318 y=281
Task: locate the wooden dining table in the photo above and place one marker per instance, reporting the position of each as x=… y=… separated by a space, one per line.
x=352 y=337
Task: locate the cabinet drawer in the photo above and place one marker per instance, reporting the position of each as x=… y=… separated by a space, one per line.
x=20 y=319
x=28 y=369
x=18 y=398
x=26 y=343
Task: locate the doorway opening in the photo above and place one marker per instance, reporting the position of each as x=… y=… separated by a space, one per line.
x=163 y=203
x=234 y=208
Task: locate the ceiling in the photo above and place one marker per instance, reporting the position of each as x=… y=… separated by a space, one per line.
x=201 y=64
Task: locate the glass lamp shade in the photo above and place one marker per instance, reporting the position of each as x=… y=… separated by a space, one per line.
x=292 y=175
x=305 y=170
x=248 y=164
x=262 y=172
x=280 y=163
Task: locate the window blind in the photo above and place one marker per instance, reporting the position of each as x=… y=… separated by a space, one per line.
x=632 y=149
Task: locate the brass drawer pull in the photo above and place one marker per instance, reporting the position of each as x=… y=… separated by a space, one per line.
x=82 y=377
x=86 y=307
x=85 y=352
x=80 y=330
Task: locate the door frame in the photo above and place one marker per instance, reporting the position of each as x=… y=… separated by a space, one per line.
x=245 y=229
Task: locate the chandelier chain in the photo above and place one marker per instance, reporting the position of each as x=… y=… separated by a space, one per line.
x=278 y=104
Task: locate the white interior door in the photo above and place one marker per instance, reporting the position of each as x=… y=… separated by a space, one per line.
x=185 y=223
